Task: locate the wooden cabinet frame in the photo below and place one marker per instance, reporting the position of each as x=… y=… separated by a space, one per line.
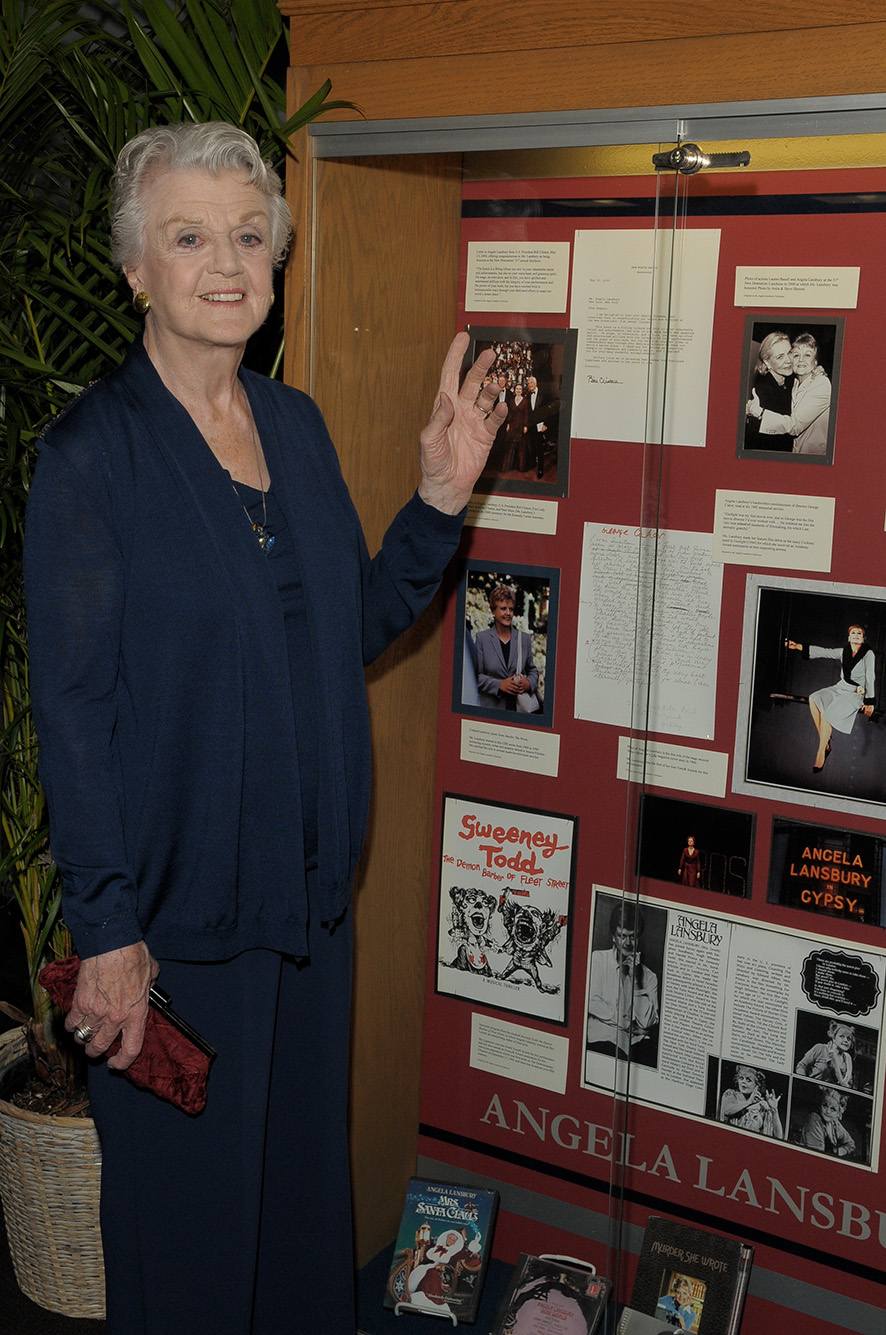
x=370 y=302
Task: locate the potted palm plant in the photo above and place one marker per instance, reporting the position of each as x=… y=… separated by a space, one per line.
x=77 y=81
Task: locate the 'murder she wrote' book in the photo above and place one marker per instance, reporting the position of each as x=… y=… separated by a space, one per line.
x=442 y=1248
x=549 y=1294
x=692 y=1279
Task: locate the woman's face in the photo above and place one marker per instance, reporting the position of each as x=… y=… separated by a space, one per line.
x=207 y=263
x=682 y=1293
x=830 y=1108
x=445 y=1246
x=779 y=359
x=502 y=614
x=745 y=1082
x=803 y=360
x=843 y=1038
x=856 y=636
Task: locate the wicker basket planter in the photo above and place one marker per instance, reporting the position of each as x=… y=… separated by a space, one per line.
x=49 y=1182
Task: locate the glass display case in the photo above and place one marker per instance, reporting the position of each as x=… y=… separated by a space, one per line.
x=656 y=965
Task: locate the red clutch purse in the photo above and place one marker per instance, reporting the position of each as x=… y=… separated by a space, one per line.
x=174 y=1061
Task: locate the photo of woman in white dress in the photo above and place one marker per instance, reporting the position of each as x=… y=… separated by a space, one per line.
x=818 y=650
x=837 y=706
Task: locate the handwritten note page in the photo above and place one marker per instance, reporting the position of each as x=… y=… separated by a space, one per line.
x=649 y=612
x=643 y=303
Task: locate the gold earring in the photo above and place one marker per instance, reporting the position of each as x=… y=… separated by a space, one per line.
x=272 y=299
x=142 y=303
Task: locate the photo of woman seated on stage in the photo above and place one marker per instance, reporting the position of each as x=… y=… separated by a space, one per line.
x=813 y=723
x=837 y=706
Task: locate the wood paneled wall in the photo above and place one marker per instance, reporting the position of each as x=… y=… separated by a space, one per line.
x=386 y=261
x=384 y=256
x=370 y=309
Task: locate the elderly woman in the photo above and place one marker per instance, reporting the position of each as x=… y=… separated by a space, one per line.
x=809 y=417
x=854 y=692
x=201 y=606
x=773 y=382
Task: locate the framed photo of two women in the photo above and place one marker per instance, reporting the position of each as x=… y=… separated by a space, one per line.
x=789 y=387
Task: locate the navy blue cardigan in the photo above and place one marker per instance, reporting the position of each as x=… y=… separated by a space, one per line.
x=160 y=677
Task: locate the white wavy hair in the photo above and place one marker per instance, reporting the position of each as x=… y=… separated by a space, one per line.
x=213 y=147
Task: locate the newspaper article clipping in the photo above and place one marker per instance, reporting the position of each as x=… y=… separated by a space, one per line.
x=785 y=1033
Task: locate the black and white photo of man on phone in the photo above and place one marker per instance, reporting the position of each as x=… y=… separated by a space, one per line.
x=623 y=992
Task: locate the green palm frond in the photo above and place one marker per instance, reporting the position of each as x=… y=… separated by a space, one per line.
x=28 y=34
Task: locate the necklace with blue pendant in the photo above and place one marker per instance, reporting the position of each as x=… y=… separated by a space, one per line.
x=266 y=540
x=263 y=536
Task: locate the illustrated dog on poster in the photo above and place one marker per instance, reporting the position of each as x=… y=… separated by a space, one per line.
x=471 y=920
x=530 y=932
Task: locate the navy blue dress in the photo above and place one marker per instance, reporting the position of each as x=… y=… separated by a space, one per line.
x=261 y=1177
x=204 y=746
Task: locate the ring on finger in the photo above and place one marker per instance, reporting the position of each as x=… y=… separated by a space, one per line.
x=84 y=1032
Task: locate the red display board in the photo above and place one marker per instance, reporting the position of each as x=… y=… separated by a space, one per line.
x=565 y=1151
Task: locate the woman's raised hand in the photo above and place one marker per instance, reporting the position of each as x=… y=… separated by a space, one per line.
x=457 y=439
